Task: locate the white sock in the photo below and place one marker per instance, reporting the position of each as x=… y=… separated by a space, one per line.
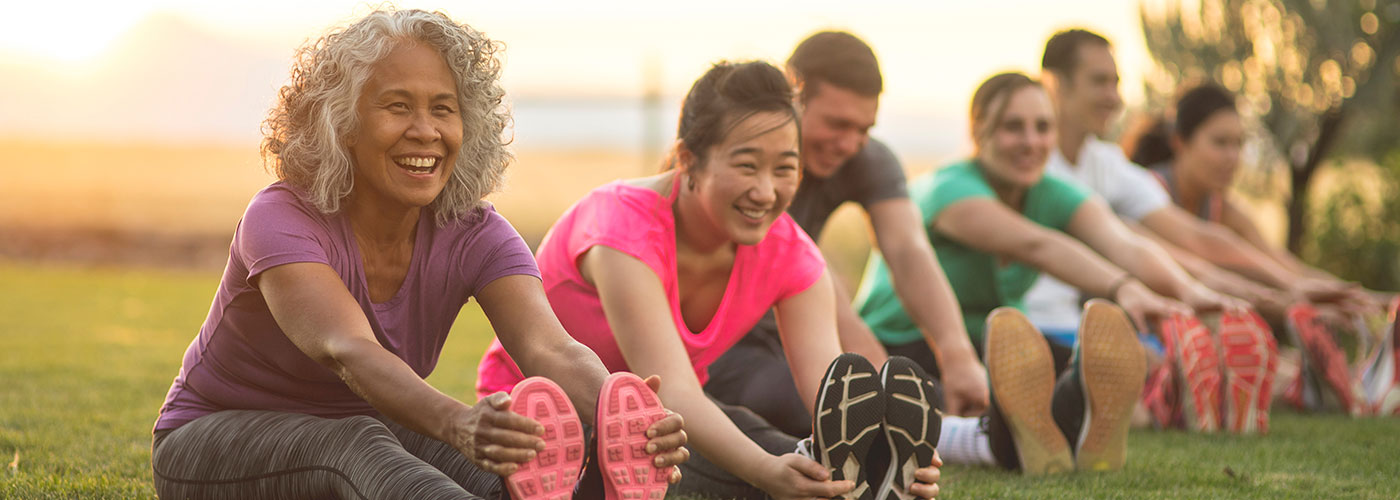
x=962 y=441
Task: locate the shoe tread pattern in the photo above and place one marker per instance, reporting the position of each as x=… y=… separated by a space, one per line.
x=626 y=408
x=1022 y=376
x=912 y=424
x=1114 y=369
x=554 y=472
x=850 y=411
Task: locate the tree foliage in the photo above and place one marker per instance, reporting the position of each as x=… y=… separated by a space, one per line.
x=1318 y=77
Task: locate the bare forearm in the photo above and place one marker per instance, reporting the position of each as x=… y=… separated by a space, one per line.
x=1225 y=249
x=1154 y=267
x=711 y=432
x=392 y=388
x=575 y=368
x=1075 y=264
x=856 y=336
x=924 y=292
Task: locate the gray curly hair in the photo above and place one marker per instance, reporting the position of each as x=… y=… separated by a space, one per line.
x=304 y=136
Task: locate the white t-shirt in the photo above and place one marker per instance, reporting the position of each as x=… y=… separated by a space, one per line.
x=1130 y=191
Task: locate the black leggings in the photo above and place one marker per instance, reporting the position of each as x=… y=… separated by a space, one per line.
x=239 y=454
x=754 y=374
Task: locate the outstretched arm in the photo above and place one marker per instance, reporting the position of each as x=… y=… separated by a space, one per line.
x=316 y=312
x=1217 y=244
x=1103 y=231
x=639 y=315
x=988 y=225
x=924 y=292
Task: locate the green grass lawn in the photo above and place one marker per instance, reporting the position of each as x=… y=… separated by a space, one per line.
x=87 y=355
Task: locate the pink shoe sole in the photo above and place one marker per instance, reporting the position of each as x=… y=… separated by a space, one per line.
x=626 y=408
x=1325 y=360
x=554 y=472
x=1247 y=359
x=1199 y=366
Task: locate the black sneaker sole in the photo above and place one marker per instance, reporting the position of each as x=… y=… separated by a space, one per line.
x=850 y=409
x=912 y=424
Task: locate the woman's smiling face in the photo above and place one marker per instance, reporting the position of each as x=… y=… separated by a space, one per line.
x=1016 y=148
x=409 y=131
x=748 y=180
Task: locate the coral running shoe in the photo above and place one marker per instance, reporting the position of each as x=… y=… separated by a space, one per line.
x=554 y=472
x=1197 y=367
x=1324 y=366
x=1249 y=358
x=626 y=408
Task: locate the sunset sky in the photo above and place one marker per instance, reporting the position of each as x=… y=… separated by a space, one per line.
x=172 y=71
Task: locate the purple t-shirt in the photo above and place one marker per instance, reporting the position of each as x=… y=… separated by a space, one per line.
x=242 y=360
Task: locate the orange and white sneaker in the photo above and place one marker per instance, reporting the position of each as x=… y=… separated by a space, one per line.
x=1325 y=366
x=554 y=472
x=626 y=408
x=1382 y=377
x=1248 y=361
x=1197 y=366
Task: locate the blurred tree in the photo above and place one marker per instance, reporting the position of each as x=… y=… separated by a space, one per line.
x=1361 y=221
x=1319 y=76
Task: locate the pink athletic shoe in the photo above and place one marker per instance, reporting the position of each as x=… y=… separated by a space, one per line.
x=1198 y=369
x=554 y=472
x=1248 y=362
x=626 y=408
x=1325 y=365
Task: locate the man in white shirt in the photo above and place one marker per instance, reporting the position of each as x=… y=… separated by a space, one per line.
x=1081 y=76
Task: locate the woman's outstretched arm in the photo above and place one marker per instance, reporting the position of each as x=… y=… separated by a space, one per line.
x=313 y=308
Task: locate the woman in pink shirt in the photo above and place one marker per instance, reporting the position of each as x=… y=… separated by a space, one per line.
x=660 y=275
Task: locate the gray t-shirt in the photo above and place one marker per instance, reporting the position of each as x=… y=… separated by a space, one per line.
x=872 y=175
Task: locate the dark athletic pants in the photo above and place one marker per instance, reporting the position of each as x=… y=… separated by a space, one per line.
x=240 y=454
x=754 y=374
x=702 y=478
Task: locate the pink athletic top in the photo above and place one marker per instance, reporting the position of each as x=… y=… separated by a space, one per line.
x=639 y=222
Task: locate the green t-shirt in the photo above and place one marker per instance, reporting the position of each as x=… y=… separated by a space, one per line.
x=979 y=281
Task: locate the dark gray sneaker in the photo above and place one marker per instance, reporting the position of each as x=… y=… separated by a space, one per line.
x=912 y=424
x=850 y=410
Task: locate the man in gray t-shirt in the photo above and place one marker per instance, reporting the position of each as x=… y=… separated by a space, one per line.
x=838 y=83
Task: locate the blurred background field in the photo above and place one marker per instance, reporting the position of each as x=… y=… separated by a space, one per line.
x=89 y=354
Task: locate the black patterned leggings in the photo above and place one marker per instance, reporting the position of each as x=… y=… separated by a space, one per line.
x=240 y=454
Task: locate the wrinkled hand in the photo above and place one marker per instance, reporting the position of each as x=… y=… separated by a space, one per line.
x=1141 y=304
x=666 y=438
x=793 y=476
x=494 y=438
x=926 y=479
x=965 y=387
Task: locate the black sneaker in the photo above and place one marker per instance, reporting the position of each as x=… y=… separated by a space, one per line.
x=1021 y=373
x=912 y=424
x=850 y=409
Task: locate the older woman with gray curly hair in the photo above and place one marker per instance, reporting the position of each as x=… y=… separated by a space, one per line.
x=344 y=277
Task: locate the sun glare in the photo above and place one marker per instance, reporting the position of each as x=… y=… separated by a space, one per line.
x=65 y=32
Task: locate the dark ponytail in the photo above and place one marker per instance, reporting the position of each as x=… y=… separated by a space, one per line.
x=726 y=95
x=1152 y=144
